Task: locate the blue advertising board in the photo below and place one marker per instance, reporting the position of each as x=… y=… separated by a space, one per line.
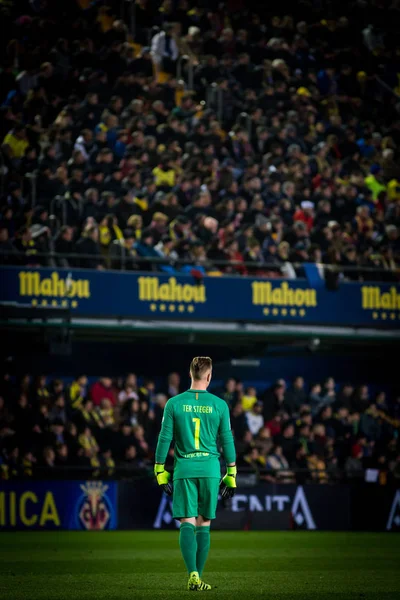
x=85 y=505
x=148 y=295
x=142 y=505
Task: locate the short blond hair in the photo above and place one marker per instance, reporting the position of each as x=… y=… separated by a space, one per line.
x=199 y=367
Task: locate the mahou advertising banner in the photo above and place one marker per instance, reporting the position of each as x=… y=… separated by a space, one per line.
x=159 y=296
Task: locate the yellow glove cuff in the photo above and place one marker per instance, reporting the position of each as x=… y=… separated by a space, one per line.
x=158 y=469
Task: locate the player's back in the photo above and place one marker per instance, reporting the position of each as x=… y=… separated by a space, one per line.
x=197 y=417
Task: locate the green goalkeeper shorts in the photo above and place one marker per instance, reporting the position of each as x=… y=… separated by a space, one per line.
x=197 y=496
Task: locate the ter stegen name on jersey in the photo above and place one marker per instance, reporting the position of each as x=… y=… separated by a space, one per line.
x=197 y=408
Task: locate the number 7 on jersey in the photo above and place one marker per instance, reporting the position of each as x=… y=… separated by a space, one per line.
x=197 y=433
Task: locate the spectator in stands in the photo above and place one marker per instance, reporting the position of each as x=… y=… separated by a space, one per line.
x=15 y=145
x=130 y=459
x=354 y=466
x=88 y=245
x=173 y=384
x=275 y=424
x=300 y=465
x=123 y=252
x=296 y=394
x=329 y=393
x=62 y=456
x=315 y=398
x=7 y=248
x=64 y=245
x=239 y=421
x=160 y=401
x=255 y=419
x=229 y=393
x=249 y=398
x=102 y=389
x=143 y=448
x=252 y=458
x=288 y=441
x=360 y=401
x=77 y=391
x=58 y=412
x=345 y=396
x=146 y=392
x=109 y=230
x=274 y=400
x=264 y=442
x=279 y=466
x=164 y=50
x=370 y=424
x=317 y=467
x=325 y=418
x=129 y=391
x=49 y=458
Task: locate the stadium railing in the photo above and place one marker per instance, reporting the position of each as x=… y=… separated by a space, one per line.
x=247 y=476
x=152 y=263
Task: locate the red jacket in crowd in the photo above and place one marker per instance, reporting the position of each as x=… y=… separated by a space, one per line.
x=99 y=391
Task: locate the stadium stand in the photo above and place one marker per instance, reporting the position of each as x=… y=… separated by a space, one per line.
x=195 y=135
x=320 y=432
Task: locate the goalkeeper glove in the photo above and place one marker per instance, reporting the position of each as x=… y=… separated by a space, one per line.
x=163 y=478
x=228 y=483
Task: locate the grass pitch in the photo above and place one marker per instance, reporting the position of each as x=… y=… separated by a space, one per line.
x=245 y=565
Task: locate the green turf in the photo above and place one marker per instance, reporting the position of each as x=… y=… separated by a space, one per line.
x=242 y=565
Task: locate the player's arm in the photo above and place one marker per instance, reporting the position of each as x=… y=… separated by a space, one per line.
x=163 y=444
x=228 y=482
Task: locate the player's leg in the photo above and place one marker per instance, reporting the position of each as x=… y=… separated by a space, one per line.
x=185 y=508
x=188 y=543
x=208 y=500
x=203 y=542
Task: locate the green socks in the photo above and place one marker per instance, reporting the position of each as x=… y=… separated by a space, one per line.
x=203 y=546
x=188 y=545
x=195 y=544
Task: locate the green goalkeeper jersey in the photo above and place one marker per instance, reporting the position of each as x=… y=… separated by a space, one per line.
x=195 y=420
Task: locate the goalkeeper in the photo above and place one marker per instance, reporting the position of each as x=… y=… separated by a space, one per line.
x=195 y=420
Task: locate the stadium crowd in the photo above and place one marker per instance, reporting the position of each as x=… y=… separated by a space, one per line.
x=285 y=148
x=321 y=433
